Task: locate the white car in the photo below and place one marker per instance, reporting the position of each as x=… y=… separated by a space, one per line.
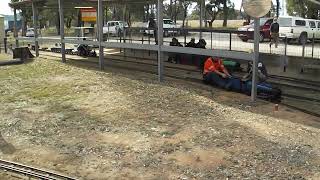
x=299 y=29
x=30 y=32
x=167 y=24
x=115 y=27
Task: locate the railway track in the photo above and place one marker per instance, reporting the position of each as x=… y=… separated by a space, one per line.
x=31 y=172
x=283 y=81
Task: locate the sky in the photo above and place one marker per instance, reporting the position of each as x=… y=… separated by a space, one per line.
x=5 y=9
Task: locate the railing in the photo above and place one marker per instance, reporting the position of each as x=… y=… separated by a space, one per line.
x=226 y=40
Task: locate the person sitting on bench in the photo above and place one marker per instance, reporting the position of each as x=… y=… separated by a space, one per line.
x=214 y=73
x=174 y=56
x=192 y=43
x=201 y=44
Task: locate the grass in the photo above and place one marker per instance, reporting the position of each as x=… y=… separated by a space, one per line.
x=121 y=124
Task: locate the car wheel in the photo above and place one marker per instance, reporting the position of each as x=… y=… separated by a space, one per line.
x=303 y=38
x=261 y=37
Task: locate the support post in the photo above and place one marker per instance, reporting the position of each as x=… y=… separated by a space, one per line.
x=202 y=2
x=285 y=60
x=255 y=60
x=303 y=55
x=35 y=26
x=160 y=40
x=63 y=45
x=100 y=32
x=211 y=39
x=230 y=42
x=5 y=44
x=15 y=28
x=313 y=45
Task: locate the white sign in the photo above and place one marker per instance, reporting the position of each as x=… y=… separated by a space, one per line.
x=257 y=8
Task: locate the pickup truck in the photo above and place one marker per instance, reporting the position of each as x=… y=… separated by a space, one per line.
x=299 y=29
x=115 y=27
x=167 y=24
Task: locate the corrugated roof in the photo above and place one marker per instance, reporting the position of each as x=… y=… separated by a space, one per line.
x=73 y=3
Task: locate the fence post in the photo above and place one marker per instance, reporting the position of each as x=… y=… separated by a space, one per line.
x=313 y=45
x=5 y=45
x=211 y=39
x=230 y=42
x=149 y=43
x=285 y=54
x=303 y=55
x=185 y=37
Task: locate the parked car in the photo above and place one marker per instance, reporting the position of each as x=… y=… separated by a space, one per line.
x=247 y=32
x=299 y=29
x=115 y=27
x=167 y=25
x=30 y=32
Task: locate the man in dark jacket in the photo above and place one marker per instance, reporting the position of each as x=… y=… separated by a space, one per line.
x=192 y=43
x=274 y=30
x=153 y=26
x=201 y=44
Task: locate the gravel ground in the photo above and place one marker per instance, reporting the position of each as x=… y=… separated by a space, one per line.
x=125 y=125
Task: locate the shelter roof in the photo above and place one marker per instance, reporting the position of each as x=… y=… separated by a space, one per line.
x=73 y=3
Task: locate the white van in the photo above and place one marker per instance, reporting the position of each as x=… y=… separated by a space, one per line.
x=299 y=29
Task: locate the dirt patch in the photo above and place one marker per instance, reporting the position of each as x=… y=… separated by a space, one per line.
x=199 y=158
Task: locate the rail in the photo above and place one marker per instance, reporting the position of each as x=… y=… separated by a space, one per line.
x=31 y=171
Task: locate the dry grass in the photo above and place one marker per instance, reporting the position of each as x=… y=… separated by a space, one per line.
x=120 y=124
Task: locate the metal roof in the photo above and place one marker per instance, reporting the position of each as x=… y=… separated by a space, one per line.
x=74 y=3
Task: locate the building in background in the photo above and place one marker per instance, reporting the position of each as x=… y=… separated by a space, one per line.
x=9 y=22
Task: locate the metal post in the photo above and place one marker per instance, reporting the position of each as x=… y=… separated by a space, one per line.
x=313 y=45
x=185 y=36
x=303 y=55
x=230 y=42
x=63 y=45
x=211 y=39
x=35 y=26
x=15 y=28
x=160 y=39
x=255 y=59
x=201 y=18
x=149 y=43
x=303 y=51
x=285 y=55
x=100 y=32
x=5 y=44
x=124 y=29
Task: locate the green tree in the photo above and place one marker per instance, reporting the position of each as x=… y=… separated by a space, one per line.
x=303 y=8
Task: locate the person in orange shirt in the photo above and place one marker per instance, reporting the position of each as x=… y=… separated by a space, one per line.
x=216 y=74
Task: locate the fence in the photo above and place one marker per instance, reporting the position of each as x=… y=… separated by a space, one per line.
x=216 y=39
x=222 y=39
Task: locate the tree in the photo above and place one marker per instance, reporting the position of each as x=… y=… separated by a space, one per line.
x=302 y=8
x=213 y=8
x=278 y=8
x=185 y=5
